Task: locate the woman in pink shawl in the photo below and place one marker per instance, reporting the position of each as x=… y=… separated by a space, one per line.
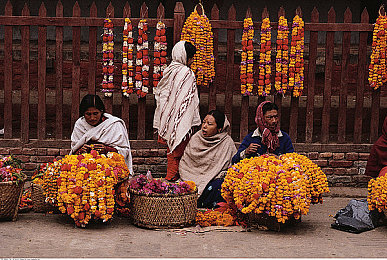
x=377 y=161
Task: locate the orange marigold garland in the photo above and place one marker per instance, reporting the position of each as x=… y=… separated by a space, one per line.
x=377 y=68
x=296 y=64
x=142 y=61
x=377 y=194
x=264 y=83
x=159 y=53
x=108 y=57
x=247 y=76
x=127 y=59
x=282 y=57
x=197 y=30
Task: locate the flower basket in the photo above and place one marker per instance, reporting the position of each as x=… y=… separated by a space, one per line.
x=163 y=210
x=39 y=200
x=10 y=194
x=267 y=222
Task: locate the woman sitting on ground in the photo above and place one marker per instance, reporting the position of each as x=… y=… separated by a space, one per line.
x=98 y=130
x=207 y=157
x=377 y=161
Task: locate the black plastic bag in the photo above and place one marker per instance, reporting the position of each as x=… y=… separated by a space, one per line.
x=357 y=218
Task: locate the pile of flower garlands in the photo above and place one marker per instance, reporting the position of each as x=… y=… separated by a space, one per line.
x=26 y=201
x=224 y=215
x=86 y=185
x=296 y=63
x=127 y=58
x=159 y=53
x=377 y=194
x=247 y=76
x=108 y=57
x=10 y=169
x=197 y=30
x=50 y=179
x=264 y=83
x=142 y=60
x=282 y=57
x=377 y=68
x=280 y=187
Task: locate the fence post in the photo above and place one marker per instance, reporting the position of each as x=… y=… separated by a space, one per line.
x=212 y=94
x=8 y=79
x=178 y=23
x=25 y=87
x=92 y=51
x=59 y=74
x=76 y=71
x=42 y=53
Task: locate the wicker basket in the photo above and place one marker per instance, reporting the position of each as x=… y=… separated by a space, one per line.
x=39 y=200
x=10 y=194
x=267 y=222
x=162 y=210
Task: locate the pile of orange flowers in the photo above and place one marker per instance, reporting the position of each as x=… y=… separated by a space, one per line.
x=247 y=76
x=159 y=53
x=377 y=68
x=282 y=57
x=108 y=57
x=127 y=58
x=197 y=30
x=280 y=187
x=264 y=83
x=50 y=178
x=214 y=218
x=296 y=64
x=377 y=194
x=142 y=61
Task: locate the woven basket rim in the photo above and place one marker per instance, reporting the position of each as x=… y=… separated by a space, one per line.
x=162 y=195
x=13 y=182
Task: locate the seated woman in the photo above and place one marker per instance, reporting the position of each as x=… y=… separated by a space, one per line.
x=267 y=138
x=207 y=157
x=100 y=131
x=377 y=161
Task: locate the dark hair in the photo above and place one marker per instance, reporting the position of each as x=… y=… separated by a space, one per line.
x=268 y=107
x=190 y=49
x=91 y=101
x=219 y=118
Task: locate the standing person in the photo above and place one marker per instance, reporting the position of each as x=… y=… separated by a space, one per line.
x=177 y=106
x=377 y=161
x=98 y=130
x=267 y=138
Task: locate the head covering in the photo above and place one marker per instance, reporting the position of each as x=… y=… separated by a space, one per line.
x=378 y=155
x=269 y=137
x=207 y=157
x=177 y=100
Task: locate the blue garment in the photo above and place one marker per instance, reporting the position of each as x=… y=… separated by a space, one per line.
x=286 y=146
x=211 y=195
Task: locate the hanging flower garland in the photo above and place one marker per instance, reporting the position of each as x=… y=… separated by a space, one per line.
x=247 y=76
x=296 y=64
x=197 y=30
x=282 y=57
x=159 y=53
x=108 y=57
x=377 y=68
x=127 y=59
x=264 y=83
x=142 y=61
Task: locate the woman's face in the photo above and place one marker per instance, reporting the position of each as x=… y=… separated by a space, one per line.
x=271 y=118
x=93 y=116
x=209 y=126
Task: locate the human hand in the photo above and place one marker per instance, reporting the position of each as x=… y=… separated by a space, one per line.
x=84 y=149
x=253 y=148
x=100 y=148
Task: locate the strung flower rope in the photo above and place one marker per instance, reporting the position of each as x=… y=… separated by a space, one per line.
x=377 y=69
x=296 y=64
x=377 y=194
x=247 y=76
x=142 y=61
x=159 y=53
x=108 y=57
x=127 y=59
x=264 y=83
x=282 y=58
x=197 y=30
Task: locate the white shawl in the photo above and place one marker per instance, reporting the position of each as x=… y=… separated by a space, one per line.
x=111 y=132
x=177 y=101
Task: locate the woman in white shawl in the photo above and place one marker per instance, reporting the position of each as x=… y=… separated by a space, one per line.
x=207 y=157
x=105 y=132
x=177 y=105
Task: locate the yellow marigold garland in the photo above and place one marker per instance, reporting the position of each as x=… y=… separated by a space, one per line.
x=282 y=57
x=296 y=64
x=247 y=76
x=377 y=68
x=50 y=185
x=197 y=30
x=214 y=218
x=108 y=58
x=127 y=59
x=159 y=53
x=264 y=82
x=377 y=194
x=142 y=61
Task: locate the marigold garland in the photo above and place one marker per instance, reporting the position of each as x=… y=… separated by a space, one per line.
x=264 y=82
x=377 y=194
x=296 y=63
x=159 y=53
x=108 y=57
x=142 y=60
x=214 y=218
x=50 y=185
x=247 y=59
x=197 y=30
x=127 y=59
x=282 y=57
x=377 y=68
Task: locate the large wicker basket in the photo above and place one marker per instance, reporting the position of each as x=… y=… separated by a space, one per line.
x=10 y=195
x=39 y=200
x=163 y=210
x=267 y=222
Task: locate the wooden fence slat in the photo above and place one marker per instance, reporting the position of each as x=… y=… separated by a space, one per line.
x=92 y=51
x=125 y=100
x=42 y=52
x=8 y=61
x=76 y=67
x=25 y=87
x=108 y=101
x=361 y=79
x=212 y=94
x=329 y=50
x=59 y=75
x=178 y=23
x=375 y=107
x=346 y=45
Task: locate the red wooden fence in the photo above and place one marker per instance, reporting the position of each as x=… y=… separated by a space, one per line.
x=306 y=120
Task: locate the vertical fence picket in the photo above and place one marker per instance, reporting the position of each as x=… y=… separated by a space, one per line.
x=212 y=94
x=42 y=52
x=375 y=107
x=76 y=67
x=109 y=100
x=8 y=62
x=25 y=82
x=59 y=75
x=125 y=100
x=92 y=51
x=178 y=21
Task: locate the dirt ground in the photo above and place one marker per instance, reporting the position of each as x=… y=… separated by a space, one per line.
x=36 y=235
